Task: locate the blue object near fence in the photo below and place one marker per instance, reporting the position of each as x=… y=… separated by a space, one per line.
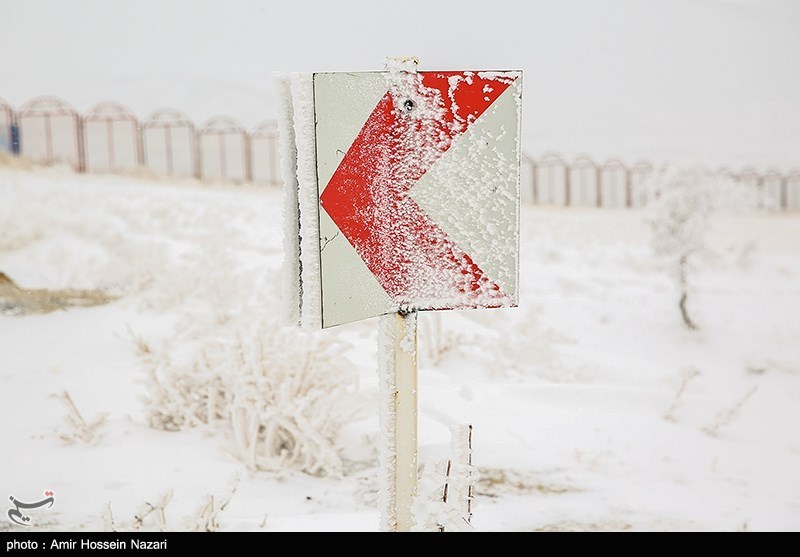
x=15 y=138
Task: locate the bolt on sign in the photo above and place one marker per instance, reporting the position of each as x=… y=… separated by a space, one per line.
x=417 y=177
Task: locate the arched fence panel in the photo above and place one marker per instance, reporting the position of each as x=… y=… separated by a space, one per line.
x=264 y=155
x=615 y=186
x=772 y=189
x=224 y=155
x=583 y=181
x=168 y=140
x=642 y=186
x=111 y=139
x=750 y=178
x=50 y=132
x=552 y=181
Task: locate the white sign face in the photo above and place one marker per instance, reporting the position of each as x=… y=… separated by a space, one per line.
x=418 y=181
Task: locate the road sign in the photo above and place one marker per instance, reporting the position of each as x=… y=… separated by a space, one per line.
x=418 y=176
x=402 y=194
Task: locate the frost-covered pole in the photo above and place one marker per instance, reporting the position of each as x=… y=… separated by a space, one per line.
x=397 y=366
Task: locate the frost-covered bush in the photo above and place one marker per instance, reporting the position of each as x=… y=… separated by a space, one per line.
x=686 y=200
x=284 y=394
x=199 y=261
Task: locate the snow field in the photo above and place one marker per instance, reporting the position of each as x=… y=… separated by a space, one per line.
x=574 y=396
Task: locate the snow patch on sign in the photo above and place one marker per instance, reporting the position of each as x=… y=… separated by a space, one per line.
x=403 y=64
x=303 y=103
x=438 y=275
x=506 y=77
x=472 y=192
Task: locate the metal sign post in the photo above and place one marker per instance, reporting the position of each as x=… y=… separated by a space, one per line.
x=397 y=350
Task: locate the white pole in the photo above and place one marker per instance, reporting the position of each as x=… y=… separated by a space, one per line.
x=397 y=356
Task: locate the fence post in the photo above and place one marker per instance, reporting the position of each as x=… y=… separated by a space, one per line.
x=112 y=151
x=168 y=149
x=137 y=143
x=223 y=157
x=248 y=157
x=48 y=138
x=628 y=188
x=143 y=143
x=784 y=185
x=197 y=154
x=598 y=181
x=80 y=143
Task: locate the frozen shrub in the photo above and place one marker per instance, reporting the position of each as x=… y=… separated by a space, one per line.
x=79 y=430
x=284 y=394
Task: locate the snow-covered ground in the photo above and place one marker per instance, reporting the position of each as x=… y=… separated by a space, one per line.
x=573 y=396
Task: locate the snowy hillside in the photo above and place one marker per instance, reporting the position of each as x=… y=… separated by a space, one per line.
x=593 y=407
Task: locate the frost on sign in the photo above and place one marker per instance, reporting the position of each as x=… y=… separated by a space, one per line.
x=418 y=179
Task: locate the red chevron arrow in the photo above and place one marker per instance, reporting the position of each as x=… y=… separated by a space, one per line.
x=417 y=121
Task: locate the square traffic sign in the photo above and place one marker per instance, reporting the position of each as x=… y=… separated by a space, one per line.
x=418 y=185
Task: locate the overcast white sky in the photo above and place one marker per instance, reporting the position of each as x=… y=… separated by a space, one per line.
x=707 y=80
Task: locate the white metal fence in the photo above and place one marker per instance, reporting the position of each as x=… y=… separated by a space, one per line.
x=109 y=138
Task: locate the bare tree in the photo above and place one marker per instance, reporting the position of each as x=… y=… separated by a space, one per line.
x=680 y=216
